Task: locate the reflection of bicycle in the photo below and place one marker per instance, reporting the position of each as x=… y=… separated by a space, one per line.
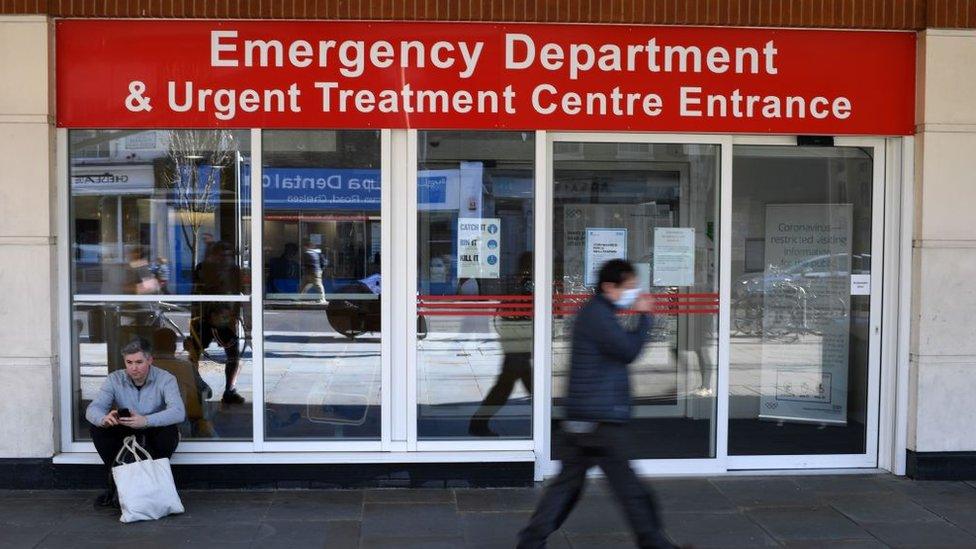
x=785 y=311
x=354 y=316
x=158 y=318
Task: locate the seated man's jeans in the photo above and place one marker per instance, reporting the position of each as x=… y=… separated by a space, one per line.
x=160 y=442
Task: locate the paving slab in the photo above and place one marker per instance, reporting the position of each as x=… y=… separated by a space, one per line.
x=922 y=534
x=206 y=507
x=690 y=495
x=823 y=524
x=596 y=515
x=963 y=517
x=717 y=530
x=413 y=495
x=835 y=511
x=16 y=536
x=422 y=520
x=316 y=505
x=867 y=508
x=611 y=541
x=836 y=544
x=844 y=484
x=275 y=534
x=493 y=527
x=765 y=492
x=412 y=542
x=498 y=499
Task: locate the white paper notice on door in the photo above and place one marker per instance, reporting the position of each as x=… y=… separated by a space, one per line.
x=602 y=245
x=674 y=256
x=860 y=284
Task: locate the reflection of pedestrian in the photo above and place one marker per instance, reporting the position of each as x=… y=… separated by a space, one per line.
x=139 y=277
x=187 y=376
x=598 y=409
x=313 y=265
x=515 y=337
x=283 y=268
x=161 y=270
x=218 y=322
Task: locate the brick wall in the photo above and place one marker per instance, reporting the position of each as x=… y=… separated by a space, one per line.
x=862 y=14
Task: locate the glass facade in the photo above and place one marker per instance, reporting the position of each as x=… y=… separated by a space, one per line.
x=475 y=206
x=322 y=284
x=161 y=249
x=160 y=243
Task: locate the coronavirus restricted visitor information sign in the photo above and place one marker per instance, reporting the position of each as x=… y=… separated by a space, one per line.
x=291 y=74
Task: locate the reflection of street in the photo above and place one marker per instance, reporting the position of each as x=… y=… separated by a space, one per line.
x=307 y=363
x=459 y=365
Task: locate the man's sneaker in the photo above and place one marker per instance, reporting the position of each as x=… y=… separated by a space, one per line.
x=232 y=397
x=108 y=498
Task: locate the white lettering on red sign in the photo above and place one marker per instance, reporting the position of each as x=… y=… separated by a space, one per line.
x=484 y=76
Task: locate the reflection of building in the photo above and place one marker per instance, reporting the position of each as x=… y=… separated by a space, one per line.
x=89 y=203
x=107 y=203
x=125 y=186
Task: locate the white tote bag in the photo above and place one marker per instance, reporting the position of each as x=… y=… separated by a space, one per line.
x=146 y=488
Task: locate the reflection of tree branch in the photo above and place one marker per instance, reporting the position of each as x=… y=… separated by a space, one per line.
x=197 y=191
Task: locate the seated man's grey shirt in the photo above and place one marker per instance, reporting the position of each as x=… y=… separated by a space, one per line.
x=159 y=398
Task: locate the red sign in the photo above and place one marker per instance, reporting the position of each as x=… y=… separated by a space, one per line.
x=290 y=74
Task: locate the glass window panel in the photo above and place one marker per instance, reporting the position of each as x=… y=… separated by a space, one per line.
x=475 y=238
x=801 y=235
x=147 y=206
x=631 y=197
x=175 y=331
x=322 y=352
x=163 y=213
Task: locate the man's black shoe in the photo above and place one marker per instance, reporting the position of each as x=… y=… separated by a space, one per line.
x=108 y=498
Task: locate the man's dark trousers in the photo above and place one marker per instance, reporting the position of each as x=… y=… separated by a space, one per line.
x=602 y=448
x=160 y=442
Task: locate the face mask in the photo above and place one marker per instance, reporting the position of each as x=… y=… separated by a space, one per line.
x=627 y=298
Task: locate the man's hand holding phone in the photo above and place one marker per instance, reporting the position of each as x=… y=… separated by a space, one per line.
x=131 y=419
x=111 y=419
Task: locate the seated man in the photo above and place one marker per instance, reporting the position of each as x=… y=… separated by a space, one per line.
x=146 y=403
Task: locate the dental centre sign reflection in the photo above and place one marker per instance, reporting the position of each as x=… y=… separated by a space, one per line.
x=480 y=76
x=318 y=188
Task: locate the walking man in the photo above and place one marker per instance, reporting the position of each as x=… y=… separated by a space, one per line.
x=598 y=410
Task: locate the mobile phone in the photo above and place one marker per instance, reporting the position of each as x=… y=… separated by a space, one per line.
x=124 y=412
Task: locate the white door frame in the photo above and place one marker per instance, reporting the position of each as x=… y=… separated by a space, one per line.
x=869 y=459
x=545 y=465
x=881 y=209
